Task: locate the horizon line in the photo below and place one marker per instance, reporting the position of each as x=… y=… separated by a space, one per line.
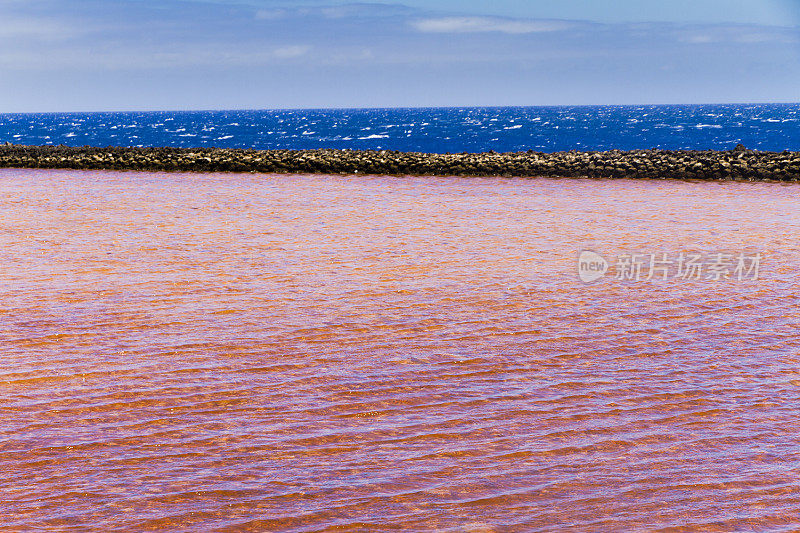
x=383 y=108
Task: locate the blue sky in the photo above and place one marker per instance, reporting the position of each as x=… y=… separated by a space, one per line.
x=86 y=55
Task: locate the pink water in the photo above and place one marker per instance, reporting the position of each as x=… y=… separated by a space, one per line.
x=192 y=352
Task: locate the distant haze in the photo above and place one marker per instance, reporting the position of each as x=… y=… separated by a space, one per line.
x=93 y=55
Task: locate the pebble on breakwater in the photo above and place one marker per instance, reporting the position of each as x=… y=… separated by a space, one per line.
x=737 y=164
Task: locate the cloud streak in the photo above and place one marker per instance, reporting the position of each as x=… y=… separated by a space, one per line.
x=35 y=29
x=487 y=25
x=737 y=34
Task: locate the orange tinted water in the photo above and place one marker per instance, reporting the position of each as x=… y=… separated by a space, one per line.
x=301 y=353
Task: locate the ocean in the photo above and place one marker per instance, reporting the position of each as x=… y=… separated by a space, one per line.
x=774 y=127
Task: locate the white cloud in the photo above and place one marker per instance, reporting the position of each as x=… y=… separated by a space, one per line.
x=349 y=57
x=36 y=29
x=738 y=34
x=366 y=10
x=271 y=14
x=290 y=52
x=699 y=39
x=149 y=58
x=754 y=38
x=487 y=24
x=359 y=10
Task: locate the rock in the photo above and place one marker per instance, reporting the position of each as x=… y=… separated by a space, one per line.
x=653 y=164
x=740 y=148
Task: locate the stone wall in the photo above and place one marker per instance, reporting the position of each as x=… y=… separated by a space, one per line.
x=737 y=164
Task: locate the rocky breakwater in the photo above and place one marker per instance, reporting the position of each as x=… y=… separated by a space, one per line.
x=737 y=164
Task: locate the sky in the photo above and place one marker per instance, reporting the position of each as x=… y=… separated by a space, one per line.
x=115 y=55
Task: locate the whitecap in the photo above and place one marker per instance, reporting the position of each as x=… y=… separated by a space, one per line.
x=518 y=126
x=701 y=126
x=373 y=137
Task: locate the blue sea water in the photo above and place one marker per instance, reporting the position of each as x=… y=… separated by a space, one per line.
x=774 y=127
